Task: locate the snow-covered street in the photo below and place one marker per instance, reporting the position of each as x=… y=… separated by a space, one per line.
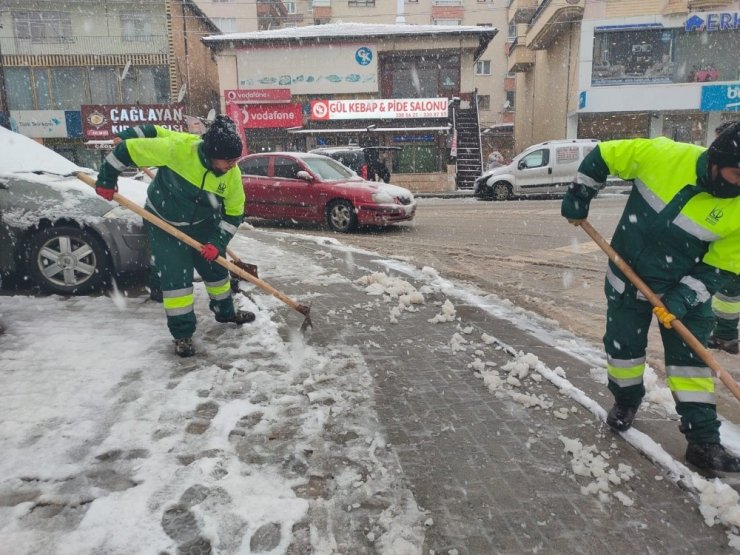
x=418 y=415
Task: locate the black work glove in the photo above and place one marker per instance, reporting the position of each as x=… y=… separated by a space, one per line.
x=576 y=201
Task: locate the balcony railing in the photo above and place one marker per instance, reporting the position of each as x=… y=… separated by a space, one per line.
x=145 y=44
x=520 y=11
x=552 y=18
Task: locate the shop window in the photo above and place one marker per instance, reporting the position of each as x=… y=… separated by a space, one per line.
x=483 y=67
x=46 y=26
x=41 y=88
x=146 y=85
x=68 y=90
x=664 y=56
x=484 y=101
x=103 y=85
x=414 y=158
x=17 y=85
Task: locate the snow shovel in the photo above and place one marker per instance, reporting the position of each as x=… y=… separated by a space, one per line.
x=688 y=337
x=305 y=310
x=246 y=266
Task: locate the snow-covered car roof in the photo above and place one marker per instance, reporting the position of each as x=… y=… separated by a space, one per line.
x=22 y=157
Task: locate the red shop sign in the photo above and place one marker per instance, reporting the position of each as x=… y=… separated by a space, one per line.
x=257 y=96
x=266 y=116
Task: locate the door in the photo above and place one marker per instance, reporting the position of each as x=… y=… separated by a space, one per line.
x=257 y=187
x=295 y=195
x=534 y=172
x=567 y=159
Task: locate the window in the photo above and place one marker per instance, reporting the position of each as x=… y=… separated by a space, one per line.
x=537 y=159
x=510 y=101
x=222 y=1
x=136 y=27
x=146 y=85
x=43 y=26
x=290 y=7
x=484 y=101
x=483 y=67
x=364 y=3
x=447 y=22
x=103 y=85
x=420 y=77
x=68 y=88
x=255 y=166
x=286 y=168
x=511 y=36
x=17 y=85
x=225 y=24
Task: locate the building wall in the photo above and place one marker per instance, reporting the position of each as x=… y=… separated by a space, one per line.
x=547 y=93
x=195 y=65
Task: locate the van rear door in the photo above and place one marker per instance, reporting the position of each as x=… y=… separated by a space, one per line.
x=567 y=159
x=534 y=172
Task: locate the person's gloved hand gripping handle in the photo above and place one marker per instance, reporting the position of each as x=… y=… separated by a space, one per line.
x=576 y=202
x=210 y=252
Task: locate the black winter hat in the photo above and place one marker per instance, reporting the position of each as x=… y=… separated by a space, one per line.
x=725 y=150
x=222 y=140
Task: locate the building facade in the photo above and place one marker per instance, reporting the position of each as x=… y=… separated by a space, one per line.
x=369 y=84
x=495 y=89
x=624 y=68
x=76 y=71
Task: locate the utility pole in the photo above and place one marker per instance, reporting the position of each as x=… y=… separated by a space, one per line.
x=4 y=108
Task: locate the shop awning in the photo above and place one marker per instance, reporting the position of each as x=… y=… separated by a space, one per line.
x=369 y=129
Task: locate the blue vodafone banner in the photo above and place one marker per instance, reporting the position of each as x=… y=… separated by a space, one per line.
x=720 y=98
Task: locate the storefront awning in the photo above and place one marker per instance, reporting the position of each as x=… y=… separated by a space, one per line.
x=370 y=129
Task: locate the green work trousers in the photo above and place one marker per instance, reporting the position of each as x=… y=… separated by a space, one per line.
x=690 y=380
x=726 y=307
x=173 y=263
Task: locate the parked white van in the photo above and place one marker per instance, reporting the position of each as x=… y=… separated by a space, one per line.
x=542 y=169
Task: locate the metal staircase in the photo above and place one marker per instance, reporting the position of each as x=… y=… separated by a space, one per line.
x=469 y=165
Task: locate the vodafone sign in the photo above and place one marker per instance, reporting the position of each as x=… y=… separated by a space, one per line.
x=265 y=115
x=379 y=108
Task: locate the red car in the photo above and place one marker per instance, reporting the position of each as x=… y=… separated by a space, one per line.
x=313 y=188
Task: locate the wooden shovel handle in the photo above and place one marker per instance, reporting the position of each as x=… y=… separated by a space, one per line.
x=688 y=337
x=231 y=253
x=161 y=224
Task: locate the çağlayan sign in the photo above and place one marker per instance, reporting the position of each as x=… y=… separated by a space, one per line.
x=101 y=122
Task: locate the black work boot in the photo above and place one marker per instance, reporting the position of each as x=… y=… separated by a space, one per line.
x=239 y=318
x=728 y=345
x=711 y=456
x=620 y=417
x=184 y=347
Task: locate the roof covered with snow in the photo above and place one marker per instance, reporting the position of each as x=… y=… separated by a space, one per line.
x=354 y=31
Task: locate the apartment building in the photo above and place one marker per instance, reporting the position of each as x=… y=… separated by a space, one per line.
x=624 y=68
x=494 y=86
x=77 y=71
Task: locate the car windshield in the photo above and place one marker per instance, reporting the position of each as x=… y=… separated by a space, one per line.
x=329 y=169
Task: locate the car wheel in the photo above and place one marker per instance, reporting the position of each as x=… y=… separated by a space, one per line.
x=67 y=260
x=501 y=190
x=341 y=217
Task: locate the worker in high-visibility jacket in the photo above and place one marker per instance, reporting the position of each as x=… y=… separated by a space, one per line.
x=680 y=232
x=726 y=304
x=198 y=190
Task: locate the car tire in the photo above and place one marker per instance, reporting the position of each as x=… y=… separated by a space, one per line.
x=341 y=216
x=67 y=260
x=501 y=190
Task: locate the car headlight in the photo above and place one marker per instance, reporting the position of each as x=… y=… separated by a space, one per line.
x=383 y=198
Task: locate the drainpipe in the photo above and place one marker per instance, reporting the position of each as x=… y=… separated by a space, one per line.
x=400 y=14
